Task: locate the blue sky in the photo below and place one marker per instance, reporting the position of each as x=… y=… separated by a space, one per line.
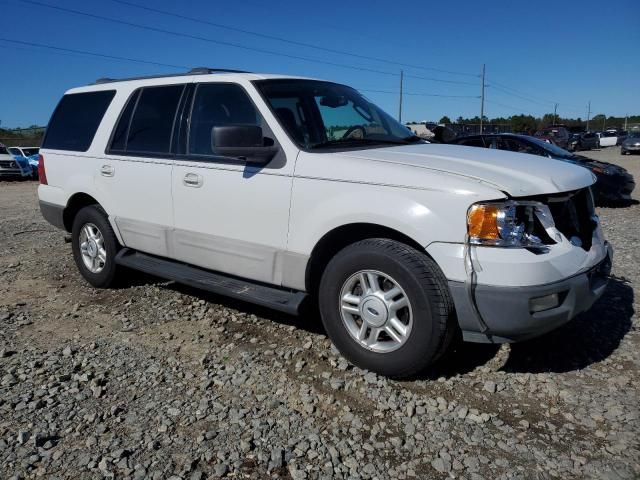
x=537 y=53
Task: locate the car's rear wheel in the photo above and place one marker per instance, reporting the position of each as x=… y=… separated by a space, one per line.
x=386 y=307
x=94 y=246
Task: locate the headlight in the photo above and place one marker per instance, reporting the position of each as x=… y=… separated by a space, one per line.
x=508 y=224
x=604 y=171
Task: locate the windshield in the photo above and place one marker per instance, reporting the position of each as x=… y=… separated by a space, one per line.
x=553 y=150
x=634 y=134
x=319 y=115
x=30 y=151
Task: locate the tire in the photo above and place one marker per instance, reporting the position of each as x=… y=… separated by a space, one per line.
x=105 y=272
x=428 y=320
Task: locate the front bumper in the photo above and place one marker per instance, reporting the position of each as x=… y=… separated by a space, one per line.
x=615 y=187
x=12 y=172
x=506 y=311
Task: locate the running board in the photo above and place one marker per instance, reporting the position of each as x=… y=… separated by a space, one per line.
x=266 y=296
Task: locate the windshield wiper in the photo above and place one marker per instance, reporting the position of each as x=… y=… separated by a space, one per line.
x=348 y=142
x=412 y=139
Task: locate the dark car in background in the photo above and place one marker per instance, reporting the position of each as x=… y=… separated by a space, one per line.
x=556 y=134
x=614 y=183
x=583 y=141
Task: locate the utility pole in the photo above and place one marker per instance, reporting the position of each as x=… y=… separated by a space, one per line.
x=626 y=119
x=555 y=111
x=482 y=99
x=588 y=114
x=400 y=106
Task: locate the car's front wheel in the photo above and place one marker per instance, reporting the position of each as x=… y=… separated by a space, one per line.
x=386 y=307
x=94 y=246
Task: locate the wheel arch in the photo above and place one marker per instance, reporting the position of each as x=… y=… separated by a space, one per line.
x=76 y=202
x=340 y=237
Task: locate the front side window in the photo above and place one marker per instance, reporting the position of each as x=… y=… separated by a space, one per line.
x=516 y=145
x=472 y=142
x=15 y=151
x=218 y=104
x=322 y=115
x=76 y=119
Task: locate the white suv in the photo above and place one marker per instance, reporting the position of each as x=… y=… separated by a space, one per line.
x=273 y=189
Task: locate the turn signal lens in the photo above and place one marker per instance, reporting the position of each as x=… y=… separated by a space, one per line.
x=482 y=222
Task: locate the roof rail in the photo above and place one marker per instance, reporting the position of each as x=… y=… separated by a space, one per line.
x=193 y=71
x=207 y=70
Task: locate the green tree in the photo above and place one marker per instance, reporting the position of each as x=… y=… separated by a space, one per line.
x=445 y=120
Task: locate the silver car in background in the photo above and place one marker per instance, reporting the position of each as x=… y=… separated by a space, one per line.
x=631 y=144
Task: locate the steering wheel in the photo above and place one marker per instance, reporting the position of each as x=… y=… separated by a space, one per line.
x=356 y=131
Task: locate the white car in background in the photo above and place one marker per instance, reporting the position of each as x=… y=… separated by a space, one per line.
x=608 y=138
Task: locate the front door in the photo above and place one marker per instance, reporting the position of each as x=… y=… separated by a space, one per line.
x=229 y=216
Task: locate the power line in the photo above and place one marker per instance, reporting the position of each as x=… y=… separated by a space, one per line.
x=93 y=54
x=523 y=95
x=390 y=92
x=530 y=98
x=286 y=40
x=511 y=107
x=136 y=60
x=231 y=44
x=494 y=86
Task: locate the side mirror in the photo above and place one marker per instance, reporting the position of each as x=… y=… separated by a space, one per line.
x=244 y=142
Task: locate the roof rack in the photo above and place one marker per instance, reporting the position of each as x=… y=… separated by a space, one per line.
x=193 y=71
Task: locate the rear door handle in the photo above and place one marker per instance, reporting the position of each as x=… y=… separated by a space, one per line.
x=192 y=180
x=107 y=171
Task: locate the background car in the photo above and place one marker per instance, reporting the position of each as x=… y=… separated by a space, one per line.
x=558 y=135
x=583 y=141
x=31 y=154
x=608 y=138
x=614 y=183
x=11 y=166
x=631 y=144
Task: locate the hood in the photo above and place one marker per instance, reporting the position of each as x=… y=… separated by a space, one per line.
x=518 y=174
x=631 y=141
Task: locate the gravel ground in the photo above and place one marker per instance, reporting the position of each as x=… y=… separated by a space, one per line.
x=156 y=380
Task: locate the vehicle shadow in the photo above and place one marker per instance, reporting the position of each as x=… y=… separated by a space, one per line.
x=590 y=338
x=308 y=320
x=618 y=204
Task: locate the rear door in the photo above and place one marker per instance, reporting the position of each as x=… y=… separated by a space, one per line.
x=229 y=216
x=136 y=171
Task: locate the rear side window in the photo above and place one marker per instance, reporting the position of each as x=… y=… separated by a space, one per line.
x=151 y=126
x=76 y=119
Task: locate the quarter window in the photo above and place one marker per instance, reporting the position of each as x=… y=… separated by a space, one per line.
x=76 y=119
x=217 y=104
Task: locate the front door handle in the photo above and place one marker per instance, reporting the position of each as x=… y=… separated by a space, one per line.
x=192 y=180
x=107 y=171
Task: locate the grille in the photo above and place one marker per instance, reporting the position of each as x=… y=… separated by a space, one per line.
x=573 y=213
x=8 y=164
